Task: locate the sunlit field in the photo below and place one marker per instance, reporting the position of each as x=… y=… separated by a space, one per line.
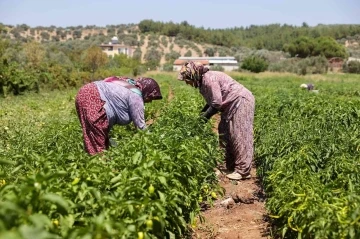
x=152 y=183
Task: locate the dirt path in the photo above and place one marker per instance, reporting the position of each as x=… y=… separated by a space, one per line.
x=243 y=219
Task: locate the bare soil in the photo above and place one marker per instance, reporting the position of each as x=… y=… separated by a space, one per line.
x=243 y=219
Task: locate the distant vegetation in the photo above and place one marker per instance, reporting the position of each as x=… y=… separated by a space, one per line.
x=271 y=37
x=56 y=57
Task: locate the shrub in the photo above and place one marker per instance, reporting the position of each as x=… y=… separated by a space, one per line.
x=45 y=35
x=309 y=65
x=209 y=51
x=172 y=55
x=164 y=42
x=137 y=54
x=352 y=67
x=153 y=55
x=217 y=68
x=77 y=34
x=313 y=65
x=255 y=64
x=168 y=67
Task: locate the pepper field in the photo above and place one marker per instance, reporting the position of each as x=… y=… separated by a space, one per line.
x=151 y=185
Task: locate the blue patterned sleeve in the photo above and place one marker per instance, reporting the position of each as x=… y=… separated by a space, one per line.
x=136 y=110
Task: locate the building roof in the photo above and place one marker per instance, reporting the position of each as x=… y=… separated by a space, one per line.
x=228 y=60
x=181 y=62
x=223 y=61
x=118 y=45
x=208 y=58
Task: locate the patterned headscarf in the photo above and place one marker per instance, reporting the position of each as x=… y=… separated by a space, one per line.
x=149 y=88
x=193 y=71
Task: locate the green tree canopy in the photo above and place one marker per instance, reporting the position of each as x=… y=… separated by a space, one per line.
x=328 y=47
x=321 y=46
x=35 y=54
x=209 y=51
x=94 y=58
x=255 y=64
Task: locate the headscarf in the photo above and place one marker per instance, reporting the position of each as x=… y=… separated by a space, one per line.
x=193 y=71
x=149 y=88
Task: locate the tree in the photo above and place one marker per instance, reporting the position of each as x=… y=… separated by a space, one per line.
x=352 y=67
x=301 y=47
x=45 y=35
x=152 y=57
x=188 y=53
x=123 y=61
x=321 y=46
x=304 y=24
x=209 y=51
x=172 y=56
x=328 y=47
x=35 y=54
x=137 y=54
x=94 y=58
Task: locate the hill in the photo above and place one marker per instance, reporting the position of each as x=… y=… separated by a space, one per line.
x=168 y=47
x=169 y=40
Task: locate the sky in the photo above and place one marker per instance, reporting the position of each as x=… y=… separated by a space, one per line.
x=200 y=13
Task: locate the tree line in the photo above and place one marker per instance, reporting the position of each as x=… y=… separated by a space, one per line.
x=30 y=65
x=271 y=37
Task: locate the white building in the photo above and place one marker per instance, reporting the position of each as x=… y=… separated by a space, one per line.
x=112 y=48
x=353 y=59
x=229 y=63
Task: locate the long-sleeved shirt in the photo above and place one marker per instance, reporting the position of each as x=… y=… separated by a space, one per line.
x=223 y=93
x=121 y=104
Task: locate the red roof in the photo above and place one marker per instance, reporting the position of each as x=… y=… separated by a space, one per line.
x=182 y=62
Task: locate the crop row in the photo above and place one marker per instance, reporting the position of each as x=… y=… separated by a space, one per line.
x=149 y=186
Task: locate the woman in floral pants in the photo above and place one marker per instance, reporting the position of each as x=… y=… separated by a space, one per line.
x=114 y=100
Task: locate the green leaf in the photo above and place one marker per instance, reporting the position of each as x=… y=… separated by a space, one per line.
x=58 y=200
x=16 y=169
x=162 y=180
x=40 y=220
x=6 y=162
x=10 y=235
x=162 y=197
x=28 y=232
x=115 y=179
x=137 y=158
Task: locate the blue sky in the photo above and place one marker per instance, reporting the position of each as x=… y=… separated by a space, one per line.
x=209 y=14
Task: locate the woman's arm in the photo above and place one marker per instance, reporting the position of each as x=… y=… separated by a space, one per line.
x=137 y=111
x=211 y=91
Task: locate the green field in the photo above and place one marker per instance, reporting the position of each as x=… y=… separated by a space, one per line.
x=307 y=153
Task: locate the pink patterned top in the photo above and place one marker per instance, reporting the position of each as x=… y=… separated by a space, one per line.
x=223 y=93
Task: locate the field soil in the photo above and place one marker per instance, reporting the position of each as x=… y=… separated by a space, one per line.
x=242 y=218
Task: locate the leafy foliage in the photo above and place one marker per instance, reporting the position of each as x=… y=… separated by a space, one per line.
x=255 y=64
x=209 y=51
x=146 y=185
x=172 y=56
x=271 y=37
x=217 y=68
x=352 y=67
x=322 y=46
x=309 y=65
x=94 y=58
x=307 y=155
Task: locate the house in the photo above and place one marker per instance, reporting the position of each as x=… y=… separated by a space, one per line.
x=229 y=63
x=113 y=48
x=336 y=63
x=353 y=59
